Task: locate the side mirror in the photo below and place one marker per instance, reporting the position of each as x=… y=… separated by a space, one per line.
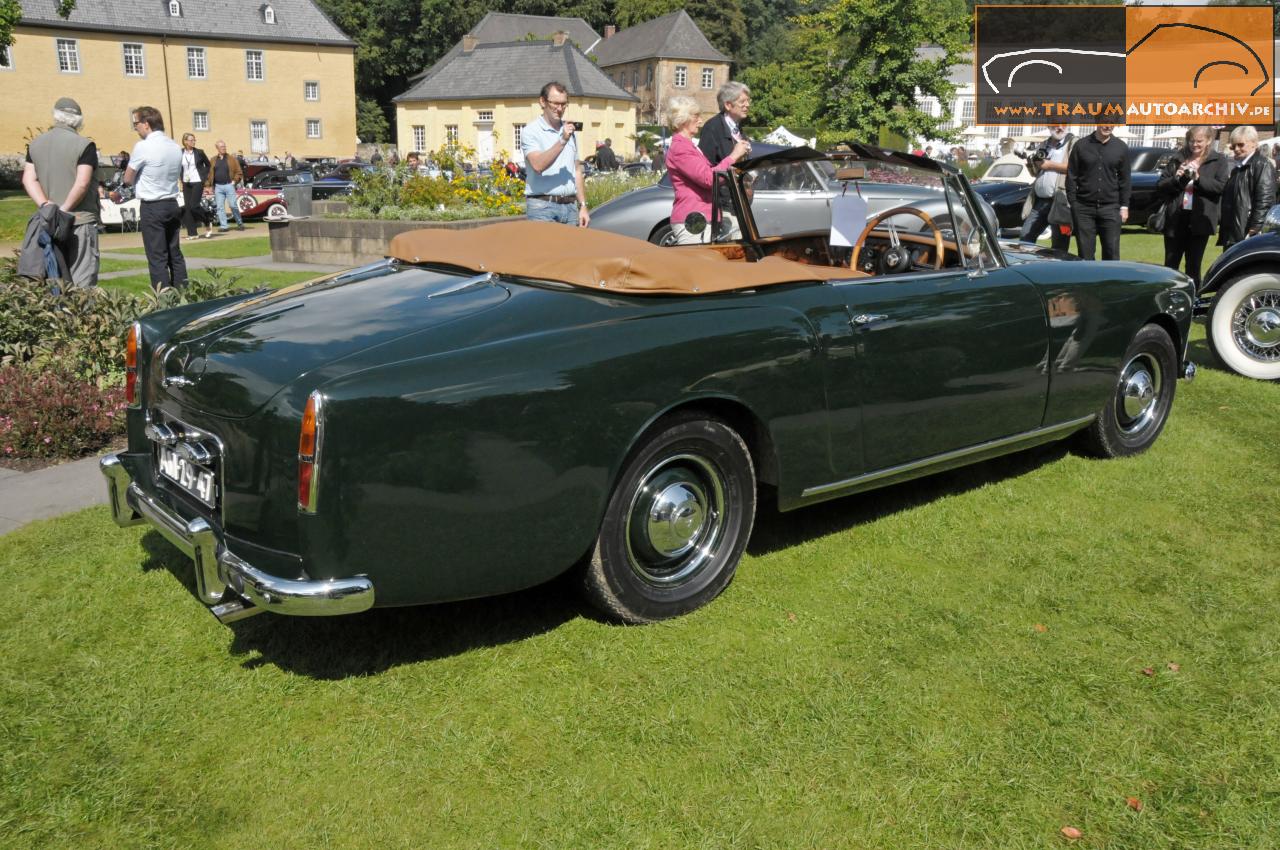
x=695 y=223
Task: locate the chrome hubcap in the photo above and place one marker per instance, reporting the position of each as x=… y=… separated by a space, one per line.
x=1255 y=325
x=676 y=520
x=1139 y=393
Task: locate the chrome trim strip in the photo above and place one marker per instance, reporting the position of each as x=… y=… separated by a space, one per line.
x=1032 y=437
x=217 y=567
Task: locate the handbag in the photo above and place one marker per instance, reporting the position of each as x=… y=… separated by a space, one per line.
x=1156 y=221
x=1060 y=210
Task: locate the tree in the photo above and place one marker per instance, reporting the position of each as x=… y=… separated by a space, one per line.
x=11 y=14
x=871 y=74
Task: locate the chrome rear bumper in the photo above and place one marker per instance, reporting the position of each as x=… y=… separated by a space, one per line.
x=218 y=570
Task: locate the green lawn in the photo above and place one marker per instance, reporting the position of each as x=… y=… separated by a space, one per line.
x=15 y=209
x=952 y=663
x=139 y=283
x=221 y=248
x=108 y=264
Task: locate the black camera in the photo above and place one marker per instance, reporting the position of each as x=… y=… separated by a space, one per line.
x=1036 y=159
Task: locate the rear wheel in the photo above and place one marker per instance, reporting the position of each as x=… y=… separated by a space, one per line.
x=1243 y=328
x=1138 y=408
x=277 y=210
x=663 y=236
x=676 y=525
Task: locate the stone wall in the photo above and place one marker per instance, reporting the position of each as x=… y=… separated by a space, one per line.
x=349 y=241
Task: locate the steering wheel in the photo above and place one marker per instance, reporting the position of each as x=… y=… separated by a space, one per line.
x=897 y=257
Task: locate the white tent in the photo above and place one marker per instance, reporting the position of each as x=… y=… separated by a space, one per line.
x=783 y=136
x=1169 y=135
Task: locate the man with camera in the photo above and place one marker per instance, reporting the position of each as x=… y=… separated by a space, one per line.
x=554 y=188
x=1049 y=163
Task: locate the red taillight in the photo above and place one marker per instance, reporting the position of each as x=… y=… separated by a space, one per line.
x=131 y=363
x=309 y=455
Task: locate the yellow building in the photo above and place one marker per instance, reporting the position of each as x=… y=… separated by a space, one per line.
x=265 y=77
x=483 y=95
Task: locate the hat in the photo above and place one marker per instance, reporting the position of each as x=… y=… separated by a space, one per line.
x=66 y=104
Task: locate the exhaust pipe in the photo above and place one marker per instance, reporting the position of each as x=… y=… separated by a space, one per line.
x=236 y=609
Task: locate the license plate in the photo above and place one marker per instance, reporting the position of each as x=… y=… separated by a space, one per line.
x=193 y=479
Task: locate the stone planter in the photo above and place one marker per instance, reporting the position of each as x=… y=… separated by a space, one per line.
x=349 y=241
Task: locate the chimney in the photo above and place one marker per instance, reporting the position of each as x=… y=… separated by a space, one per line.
x=469 y=43
x=559 y=38
x=610 y=31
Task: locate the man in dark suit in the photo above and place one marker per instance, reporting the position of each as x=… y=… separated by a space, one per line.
x=717 y=139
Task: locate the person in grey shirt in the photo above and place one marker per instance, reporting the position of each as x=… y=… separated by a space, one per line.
x=59 y=170
x=155 y=167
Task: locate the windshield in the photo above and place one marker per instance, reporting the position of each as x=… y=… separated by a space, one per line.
x=1004 y=171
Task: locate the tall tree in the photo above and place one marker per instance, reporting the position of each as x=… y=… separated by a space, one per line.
x=872 y=74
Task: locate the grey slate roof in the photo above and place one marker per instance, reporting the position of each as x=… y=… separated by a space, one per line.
x=498 y=27
x=673 y=36
x=513 y=69
x=296 y=20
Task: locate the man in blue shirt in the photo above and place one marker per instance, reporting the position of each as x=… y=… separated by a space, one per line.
x=155 y=167
x=553 y=186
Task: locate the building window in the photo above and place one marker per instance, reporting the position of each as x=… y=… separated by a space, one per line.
x=517 y=130
x=708 y=78
x=310 y=90
x=258 y=136
x=175 y=9
x=682 y=76
x=200 y=122
x=648 y=76
x=419 y=137
x=451 y=134
x=253 y=69
x=635 y=80
x=268 y=15
x=6 y=59
x=68 y=56
x=313 y=128
x=484 y=115
x=133 y=65
x=195 y=63
x=966 y=111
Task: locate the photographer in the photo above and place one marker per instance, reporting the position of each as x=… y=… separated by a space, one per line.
x=1191 y=189
x=554 y=190
x=1049 y=164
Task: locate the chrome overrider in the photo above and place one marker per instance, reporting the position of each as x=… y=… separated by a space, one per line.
x=220 y=573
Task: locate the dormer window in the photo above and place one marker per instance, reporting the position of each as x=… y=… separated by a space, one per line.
x=268 y=15
x=175 y=9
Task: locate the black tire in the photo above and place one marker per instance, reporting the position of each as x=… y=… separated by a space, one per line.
x=1243 y=328
x=662 y=236
x=676 y=524
x=1138 y=408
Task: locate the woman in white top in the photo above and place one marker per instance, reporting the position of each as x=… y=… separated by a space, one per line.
x=195 y=168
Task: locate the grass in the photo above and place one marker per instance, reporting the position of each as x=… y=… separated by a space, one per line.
x=140 y=283
x=218 y=248
x=109 y=264
x=951 y=663
x=1137 y=245
x=15 y=209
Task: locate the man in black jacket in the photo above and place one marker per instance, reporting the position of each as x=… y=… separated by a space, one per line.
x=1098 y=189
x=1250 y=191
x=717 y=140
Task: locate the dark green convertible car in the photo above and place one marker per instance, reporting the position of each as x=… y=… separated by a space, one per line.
x=489 y=408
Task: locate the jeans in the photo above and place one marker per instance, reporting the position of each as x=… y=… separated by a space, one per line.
x=536 y=209
x=223 y=194
x=1038 y=220
x=161 y=226
x=1093 y=221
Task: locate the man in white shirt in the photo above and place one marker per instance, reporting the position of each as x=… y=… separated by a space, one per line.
x=155 y=167
x=1052 y=177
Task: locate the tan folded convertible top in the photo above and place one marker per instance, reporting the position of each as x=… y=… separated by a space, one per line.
x=599 y=260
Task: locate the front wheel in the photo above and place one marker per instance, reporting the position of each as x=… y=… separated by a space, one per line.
x=246 y=203
x=1243 y=328
x=1138 y=408
x=277 y=210
x=676 y=524
x=663 y=236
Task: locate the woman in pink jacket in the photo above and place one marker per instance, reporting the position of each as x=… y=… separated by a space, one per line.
x=691 y=174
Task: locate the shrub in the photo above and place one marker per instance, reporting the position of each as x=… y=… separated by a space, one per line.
x=54 y=413
x=425 y=192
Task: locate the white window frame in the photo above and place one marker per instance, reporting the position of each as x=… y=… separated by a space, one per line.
x=451 y=136
x=195 y=121
x=175 y=9
x=266 y=136
x=708 y=78
x=262 y=65
x=484 y=115
x=202 y=56
x=308 y=86
x=6 y=58
x=516 y=131
x=72 y=54
x=142 y=60
x=319 y=134
x=420 y=138
x=681 y=76
x=268 y=15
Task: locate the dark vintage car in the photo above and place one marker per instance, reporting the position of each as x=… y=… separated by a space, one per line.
x=490 y=408
x=1145 y=164
x=1243 y=325
x=338 y=180
x=278 y=178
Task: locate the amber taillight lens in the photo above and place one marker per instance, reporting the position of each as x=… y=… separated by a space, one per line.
x=309 y=454
x=131 y=363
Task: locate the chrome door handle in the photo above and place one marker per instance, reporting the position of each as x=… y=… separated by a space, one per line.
x=868 y=318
